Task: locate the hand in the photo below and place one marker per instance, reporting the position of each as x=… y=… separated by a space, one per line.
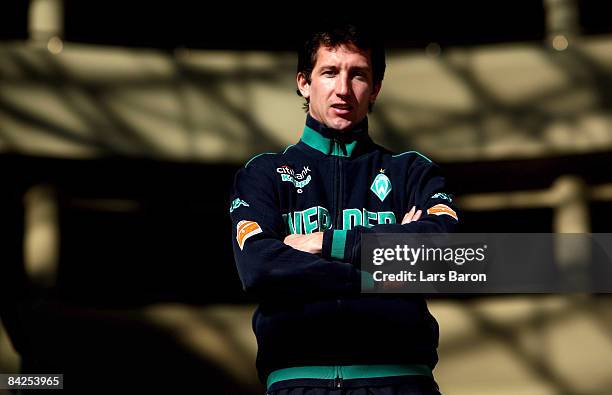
x=412 y=216
x=312 y=243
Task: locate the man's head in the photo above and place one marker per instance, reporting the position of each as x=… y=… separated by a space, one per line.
x=340 y=72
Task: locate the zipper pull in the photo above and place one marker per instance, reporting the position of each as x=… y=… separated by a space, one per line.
x=338 y=379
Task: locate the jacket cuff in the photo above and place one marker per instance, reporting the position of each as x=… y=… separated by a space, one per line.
x=334 y=244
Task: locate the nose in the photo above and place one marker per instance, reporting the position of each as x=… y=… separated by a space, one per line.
x=343 y=85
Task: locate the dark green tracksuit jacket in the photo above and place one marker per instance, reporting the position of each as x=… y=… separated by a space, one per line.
x=311 y=310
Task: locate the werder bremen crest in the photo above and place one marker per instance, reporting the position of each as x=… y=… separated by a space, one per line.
x=381 y=185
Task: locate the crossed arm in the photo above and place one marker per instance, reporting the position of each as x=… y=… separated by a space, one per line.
x=313 y=243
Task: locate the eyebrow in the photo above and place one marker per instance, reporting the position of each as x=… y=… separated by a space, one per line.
x=362 y=69
x=353 y=68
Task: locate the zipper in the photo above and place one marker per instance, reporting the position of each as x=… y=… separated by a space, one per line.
x=338 y=379
x=338 y=184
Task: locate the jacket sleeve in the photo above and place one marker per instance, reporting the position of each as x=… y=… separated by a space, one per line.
x=428 y=190
x=266 y=265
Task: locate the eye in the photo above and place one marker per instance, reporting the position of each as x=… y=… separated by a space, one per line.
x=328 y=73
x=360 y=75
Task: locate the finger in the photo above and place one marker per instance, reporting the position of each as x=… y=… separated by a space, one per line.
x=408 y=217
x=417 y=216
x=291 y=238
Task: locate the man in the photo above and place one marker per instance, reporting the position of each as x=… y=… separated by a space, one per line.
x=298 y=217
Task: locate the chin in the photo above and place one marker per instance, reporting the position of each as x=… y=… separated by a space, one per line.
x=342 y=124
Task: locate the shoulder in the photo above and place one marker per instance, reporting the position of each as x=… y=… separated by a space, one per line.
x=412 y=156
x=268 y=158
x=263 y=165
x=411 y=160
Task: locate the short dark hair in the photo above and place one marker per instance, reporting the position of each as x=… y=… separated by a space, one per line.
x=335 y=33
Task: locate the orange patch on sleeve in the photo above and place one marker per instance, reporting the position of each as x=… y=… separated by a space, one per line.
x=246 y=229
x=442 y=209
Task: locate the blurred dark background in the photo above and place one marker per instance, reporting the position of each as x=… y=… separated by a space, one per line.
x=116 y=254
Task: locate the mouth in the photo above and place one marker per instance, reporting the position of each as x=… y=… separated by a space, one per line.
x=341 y=108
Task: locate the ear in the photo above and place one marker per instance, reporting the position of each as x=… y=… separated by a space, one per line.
x=303 y=85
x=375 y=92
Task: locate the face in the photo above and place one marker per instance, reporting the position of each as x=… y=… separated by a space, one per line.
x=341 y=86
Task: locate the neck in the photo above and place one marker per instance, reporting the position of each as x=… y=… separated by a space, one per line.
x=360 y=128
x=334 y=142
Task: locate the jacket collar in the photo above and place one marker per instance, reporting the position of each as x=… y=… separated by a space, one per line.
x=333 y=142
